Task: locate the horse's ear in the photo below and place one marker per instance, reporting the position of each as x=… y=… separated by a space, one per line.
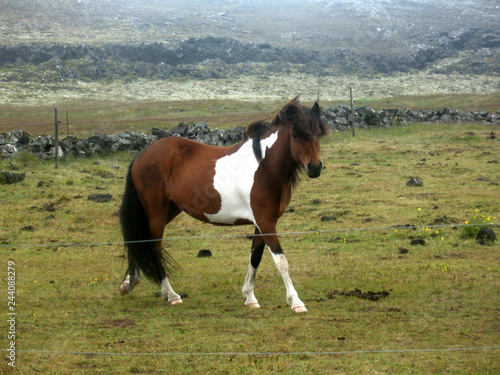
x=316 y=109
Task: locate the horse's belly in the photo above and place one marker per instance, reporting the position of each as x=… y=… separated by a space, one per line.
x=235 y=209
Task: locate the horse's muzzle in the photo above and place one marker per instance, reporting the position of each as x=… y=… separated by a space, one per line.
x=314 y=171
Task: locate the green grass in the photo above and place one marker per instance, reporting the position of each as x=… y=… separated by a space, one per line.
x=113 y=117
x=443 y=294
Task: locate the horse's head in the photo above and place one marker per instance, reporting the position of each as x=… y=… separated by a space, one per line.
x=305 y=127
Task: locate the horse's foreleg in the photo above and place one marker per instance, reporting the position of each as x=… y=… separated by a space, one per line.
x=281 y=263
x=168 y=293
x=291 y=294
x=255 y=258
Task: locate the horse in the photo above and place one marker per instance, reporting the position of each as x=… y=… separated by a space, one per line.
x=248 y=183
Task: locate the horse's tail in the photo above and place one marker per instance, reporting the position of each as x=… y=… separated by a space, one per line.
x=141 y=247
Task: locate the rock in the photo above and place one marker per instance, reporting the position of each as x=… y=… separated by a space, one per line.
x=328 y=218
x=403 y=250
x=100 y=198
x=180 y=129
x=485 y=236
x=7 y=178
x=204 y=253
x=491 y=136
x=414 y=182
x=417 y=241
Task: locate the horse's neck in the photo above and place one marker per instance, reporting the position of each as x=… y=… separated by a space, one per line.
x=279 y=159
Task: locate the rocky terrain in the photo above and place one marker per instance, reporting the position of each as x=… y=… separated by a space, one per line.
x=63 y=42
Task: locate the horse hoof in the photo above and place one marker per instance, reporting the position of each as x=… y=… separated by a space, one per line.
x=174 y=302
x=299 y=309
x=123 y=289
x=253 y=305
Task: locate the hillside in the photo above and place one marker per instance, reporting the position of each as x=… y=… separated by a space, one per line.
x=53 y=41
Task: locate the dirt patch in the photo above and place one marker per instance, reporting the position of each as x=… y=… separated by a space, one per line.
x=119 y=322
x=372 y=296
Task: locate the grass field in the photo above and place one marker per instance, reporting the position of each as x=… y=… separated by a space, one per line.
x=85 y=117
x=442 y=295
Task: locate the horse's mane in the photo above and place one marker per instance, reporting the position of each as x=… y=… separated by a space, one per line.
x=306 y=123
x=256 y=131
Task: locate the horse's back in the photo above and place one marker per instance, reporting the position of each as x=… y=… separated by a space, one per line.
x=182 y=171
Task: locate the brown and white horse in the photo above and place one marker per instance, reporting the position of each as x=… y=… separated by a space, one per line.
x=248 y=183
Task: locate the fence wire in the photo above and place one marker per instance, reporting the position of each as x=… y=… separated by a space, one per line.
x=206 y=354
x=178 y=238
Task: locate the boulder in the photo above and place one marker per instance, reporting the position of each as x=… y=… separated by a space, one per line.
x=7 y=178
x=485 y=236
x=414 y=182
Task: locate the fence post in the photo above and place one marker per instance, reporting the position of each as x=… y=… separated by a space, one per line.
x=353 y=114
x=56 y=113
x=67 y=122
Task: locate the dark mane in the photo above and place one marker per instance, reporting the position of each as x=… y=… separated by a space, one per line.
x=255 y=131
x=306 y=122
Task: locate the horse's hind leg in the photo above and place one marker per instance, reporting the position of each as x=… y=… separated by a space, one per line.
x=130 y=282
x=157 y=229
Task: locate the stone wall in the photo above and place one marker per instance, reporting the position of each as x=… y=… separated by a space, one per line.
x=338 y=117
x=101 y=144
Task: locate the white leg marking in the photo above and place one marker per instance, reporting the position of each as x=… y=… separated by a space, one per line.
x=168 y=293
x=292 y=297
x=248 y=287
x=127 y=285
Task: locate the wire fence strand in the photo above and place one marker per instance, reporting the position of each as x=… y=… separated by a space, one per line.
x=326 y=353
x=322 y=231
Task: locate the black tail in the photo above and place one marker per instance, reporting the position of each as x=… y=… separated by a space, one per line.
x=135 y=228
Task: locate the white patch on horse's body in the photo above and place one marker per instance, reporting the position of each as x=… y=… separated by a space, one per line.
x=234 y=179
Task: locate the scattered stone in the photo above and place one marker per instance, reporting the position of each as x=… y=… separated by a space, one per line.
x=28 y=228
x=414 y=182
x=7 y=178
x=328 y=218
x=417 y=241
x=49 y=207
x=403 y=250
x=50 y=217
x=100 y=198
x=485 y=236
x=491 y=136
x=204 y=253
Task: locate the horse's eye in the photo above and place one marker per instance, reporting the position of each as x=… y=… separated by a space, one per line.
x=294 y=136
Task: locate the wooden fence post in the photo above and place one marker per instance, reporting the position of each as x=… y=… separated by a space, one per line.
x=56 y=113
x=353 y=114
